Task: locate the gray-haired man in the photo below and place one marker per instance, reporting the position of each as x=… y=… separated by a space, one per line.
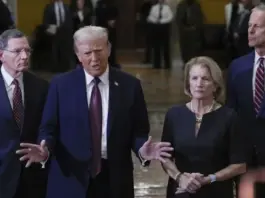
x=22 y=97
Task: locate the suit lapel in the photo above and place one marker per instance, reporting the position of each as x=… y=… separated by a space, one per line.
x=80 y=93
x=114 y=98
x=28 y=99
x=5 y=106
x=248 y=79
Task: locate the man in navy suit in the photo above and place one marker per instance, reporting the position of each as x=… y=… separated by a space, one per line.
x=22 y=98
x=94 y=116
x=245 y=89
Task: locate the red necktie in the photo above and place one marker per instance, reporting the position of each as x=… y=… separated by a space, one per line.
x=259 y=85
x=18 y=109
x=95 y=113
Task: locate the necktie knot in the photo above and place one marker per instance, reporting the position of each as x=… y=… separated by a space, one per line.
x=15 y=82
x=261 y=61
x=96 y=80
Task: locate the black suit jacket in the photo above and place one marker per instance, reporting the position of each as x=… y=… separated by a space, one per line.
x=241 y=28
x=5 y=18
x=240 y=98
x=50 y=18
x=105 y=12
x=77 y=23
x=62 y=41
x=30 y=182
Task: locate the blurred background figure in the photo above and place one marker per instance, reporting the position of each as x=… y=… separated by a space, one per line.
x=240 y=30
x=57 y=21
x=82 y=15
x=6 y=21
x=106 y=16
x=189 y=18
x=160 y=18
x=147 y=29
x=232 y=10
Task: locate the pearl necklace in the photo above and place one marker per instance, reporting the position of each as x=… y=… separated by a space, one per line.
x=199 y=119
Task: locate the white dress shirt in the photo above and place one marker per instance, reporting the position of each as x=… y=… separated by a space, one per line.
x=80 y=15
x=94 y=3
x=8 y=79
x=242 y=16
x=59 y=12
x=104 y=90
x=228 y=12
x=256 y=65
x=166 y=14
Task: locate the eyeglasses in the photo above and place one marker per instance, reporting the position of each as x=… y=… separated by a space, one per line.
x=19 y=51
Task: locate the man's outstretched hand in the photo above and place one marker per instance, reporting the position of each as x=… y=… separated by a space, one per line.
x=155 y=150
x=33 y=153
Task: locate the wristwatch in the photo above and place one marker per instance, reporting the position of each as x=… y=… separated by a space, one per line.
x=213 y=178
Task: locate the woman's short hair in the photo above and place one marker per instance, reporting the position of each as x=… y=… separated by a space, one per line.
x=214 y=70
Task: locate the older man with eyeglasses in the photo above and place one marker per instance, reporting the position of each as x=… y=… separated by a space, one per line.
x=22 y=97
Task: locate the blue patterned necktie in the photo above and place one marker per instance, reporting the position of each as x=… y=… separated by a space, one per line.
x=95 y=113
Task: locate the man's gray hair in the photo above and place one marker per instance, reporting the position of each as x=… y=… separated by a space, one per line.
x=90 y=33
x=9 y=34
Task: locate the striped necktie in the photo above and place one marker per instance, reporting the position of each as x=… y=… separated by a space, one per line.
x=259 y=86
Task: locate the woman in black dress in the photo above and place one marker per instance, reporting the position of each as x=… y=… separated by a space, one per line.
x=208 y=146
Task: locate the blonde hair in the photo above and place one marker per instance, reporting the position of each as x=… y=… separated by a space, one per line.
x=214 y=70
x=90 y=33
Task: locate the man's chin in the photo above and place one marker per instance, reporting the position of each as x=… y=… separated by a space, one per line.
x=23 y=68
x=251 y=44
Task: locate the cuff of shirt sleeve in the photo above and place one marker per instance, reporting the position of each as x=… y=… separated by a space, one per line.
x=43 y=163
x=143 y=161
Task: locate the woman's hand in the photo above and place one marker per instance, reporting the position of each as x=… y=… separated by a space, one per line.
x=191 y=182
x=201 y=178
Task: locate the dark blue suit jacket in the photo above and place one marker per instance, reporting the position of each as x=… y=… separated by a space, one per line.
x=65 y=127
x=240 y=97
x=14 y=178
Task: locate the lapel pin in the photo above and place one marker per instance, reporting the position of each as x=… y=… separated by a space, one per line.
x=115 y=83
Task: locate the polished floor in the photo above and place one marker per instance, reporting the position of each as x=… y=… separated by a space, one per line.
x=162 y=89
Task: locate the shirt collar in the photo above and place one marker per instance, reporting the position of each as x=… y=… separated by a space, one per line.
x=104 y=78
x=257 y=57
x=8 y=78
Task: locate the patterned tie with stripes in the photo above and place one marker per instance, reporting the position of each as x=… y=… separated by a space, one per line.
x=259 y=86
x=18 y=109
